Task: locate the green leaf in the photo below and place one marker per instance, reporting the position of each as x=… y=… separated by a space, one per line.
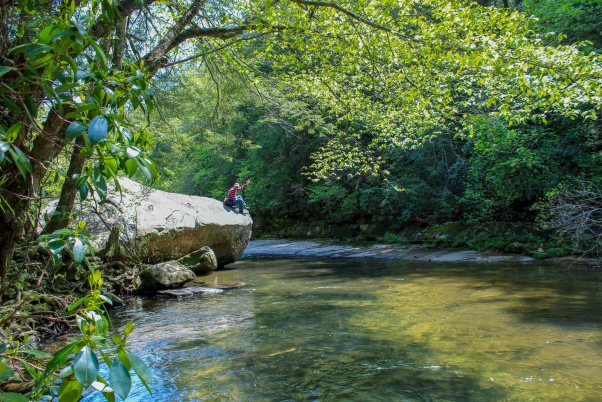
x=4 y=70
x=66 y=372
x=56 y=245
x=97 y=131
x=48 y=32
x=13 y=397
x=103 y=386
x=13 y=132
x=106 y=299
x=111 y=166
x=31 y=370
x=3 y=147
x=83 y=192
x=21 y=160
x=120 y=379
x=76 y=303
x=101 y=185
x=80 y=75
x=78 y=251
x=131 y=167
x=85 y=366
x=148 y=168
x=32 y=50
x=60 y=358
x=36 y=353
x=141 y=369
x=129 y=328
x=132 y=152
x=100 y=54
x=123 y=358
x=105 y=389
x=70 y=391
x=5 y=371
x=74 y=130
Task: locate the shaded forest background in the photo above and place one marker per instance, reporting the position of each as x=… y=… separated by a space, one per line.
x=504 y=187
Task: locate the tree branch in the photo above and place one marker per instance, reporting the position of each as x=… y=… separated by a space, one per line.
x=217 y=49
x=125 y=9
x=351 y=14
x=156 y=58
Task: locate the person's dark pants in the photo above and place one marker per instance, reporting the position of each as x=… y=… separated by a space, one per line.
x=240 y=203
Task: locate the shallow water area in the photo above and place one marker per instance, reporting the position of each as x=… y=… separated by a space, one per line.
x=363 y=330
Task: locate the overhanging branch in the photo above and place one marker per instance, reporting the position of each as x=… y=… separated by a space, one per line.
x=351 y=14
x=217 y=49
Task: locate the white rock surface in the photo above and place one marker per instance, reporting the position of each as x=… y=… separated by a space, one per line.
x=163 y=226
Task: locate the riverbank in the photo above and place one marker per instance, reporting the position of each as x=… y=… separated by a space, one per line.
x=332 y=249
x=497 y=237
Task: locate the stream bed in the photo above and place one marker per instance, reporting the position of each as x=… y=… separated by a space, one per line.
x=375 y=330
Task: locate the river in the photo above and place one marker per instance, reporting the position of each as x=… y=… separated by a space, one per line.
x=375 y=330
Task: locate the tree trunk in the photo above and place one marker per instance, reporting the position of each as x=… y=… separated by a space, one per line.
x=62 y=213
x=18 y=192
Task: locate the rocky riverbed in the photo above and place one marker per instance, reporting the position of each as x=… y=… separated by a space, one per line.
x=304 y=248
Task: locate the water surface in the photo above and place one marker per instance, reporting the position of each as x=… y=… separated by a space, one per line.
x=376 y=330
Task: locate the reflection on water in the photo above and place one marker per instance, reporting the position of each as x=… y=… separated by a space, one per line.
x=376 y=330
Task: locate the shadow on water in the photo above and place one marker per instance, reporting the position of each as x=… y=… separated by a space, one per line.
x=333 y=359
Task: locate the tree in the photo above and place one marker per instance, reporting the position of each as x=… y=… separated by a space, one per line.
x=405 y=69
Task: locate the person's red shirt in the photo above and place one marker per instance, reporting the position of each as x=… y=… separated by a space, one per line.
x=233 y=190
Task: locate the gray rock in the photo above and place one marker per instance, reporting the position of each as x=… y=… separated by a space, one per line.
x=382 y=251
x=201 y=261
x=160 y=226
x=165 y=275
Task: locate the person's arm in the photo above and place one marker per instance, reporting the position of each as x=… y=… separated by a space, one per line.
x=244 y=185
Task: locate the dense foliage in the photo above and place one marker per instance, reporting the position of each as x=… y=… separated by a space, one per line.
x=316 y=171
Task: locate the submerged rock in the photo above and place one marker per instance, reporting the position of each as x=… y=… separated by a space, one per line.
x=177 y=293
x=201 y=261
x=165 y=275
x=160 y=226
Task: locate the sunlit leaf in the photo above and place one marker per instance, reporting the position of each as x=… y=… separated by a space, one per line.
x=70 y=391
x=78 y=251
x=13 y=397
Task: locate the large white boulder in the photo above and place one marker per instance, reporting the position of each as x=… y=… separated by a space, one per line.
x=160 y=226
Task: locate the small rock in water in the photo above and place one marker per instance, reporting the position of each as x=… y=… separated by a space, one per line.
x=165 y=275
x=200 y=261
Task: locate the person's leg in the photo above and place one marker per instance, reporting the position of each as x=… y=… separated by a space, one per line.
x=241 y=205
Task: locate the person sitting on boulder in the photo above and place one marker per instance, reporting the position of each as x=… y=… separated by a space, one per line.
x=232 y=199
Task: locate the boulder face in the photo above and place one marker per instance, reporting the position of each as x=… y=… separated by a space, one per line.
x=161 y=226
x=201 y=261
x=165 y=275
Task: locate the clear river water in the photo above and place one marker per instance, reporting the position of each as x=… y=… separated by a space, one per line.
x=375 y=330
